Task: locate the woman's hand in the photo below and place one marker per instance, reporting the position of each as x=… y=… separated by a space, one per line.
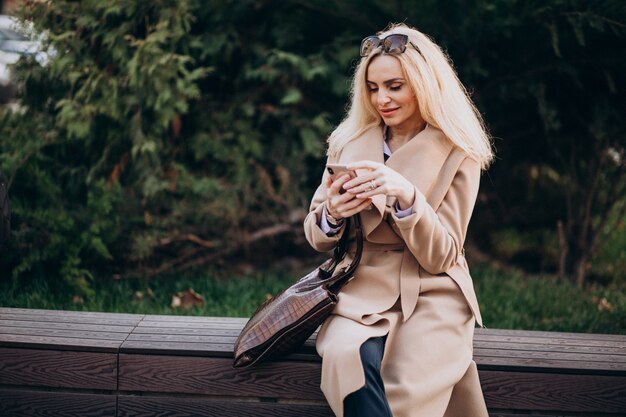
x=342 y=205
x=375 y=178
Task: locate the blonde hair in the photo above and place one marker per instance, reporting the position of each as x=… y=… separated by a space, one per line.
x=443 y=101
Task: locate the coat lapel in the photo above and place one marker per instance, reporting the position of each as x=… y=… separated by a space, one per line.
x=419 y=161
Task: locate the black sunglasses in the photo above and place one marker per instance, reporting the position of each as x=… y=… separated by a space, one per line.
x=390 y=44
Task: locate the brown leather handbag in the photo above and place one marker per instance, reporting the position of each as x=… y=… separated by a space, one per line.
x=284 y=322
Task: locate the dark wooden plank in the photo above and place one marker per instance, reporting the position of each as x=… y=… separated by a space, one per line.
x=510 y=390
x=69 y=334
x=18 y=403
x=491 y=359
x=305 y=353
x=508 y=414
x=65 y=326
x=187 y=331
x=139 y=406
x=196 y=319
x=526 y=340
x=190 y=325
x=67 y=313
x=511 y=352
x=549 y=335
x=508 y=343
x=587 y=353
x=50 y=368
x=543 y=364
x=59 y=343
x=554 y=392
x=177 y=348
x=109 y=319
x=216 y=376
x=183 y=338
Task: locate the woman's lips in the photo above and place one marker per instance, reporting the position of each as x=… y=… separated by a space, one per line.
x=388 y=112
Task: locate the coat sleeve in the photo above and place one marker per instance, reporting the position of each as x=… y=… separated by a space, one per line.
x=314 y=234
x=436 y=238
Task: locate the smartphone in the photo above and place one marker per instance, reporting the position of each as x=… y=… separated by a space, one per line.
x=337 y=170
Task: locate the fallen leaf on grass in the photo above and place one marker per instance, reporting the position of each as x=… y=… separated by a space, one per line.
x=187 y=299
x=77 y=299
x=603 y=304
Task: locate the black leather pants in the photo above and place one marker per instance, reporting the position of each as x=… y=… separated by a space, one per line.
x=369 y=401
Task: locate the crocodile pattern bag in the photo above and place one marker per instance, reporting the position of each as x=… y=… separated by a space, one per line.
x=284 y=322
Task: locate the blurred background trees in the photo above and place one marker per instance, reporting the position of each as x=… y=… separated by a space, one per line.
x=168 y=135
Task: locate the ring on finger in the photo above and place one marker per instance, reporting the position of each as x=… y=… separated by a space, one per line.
x=372 y=185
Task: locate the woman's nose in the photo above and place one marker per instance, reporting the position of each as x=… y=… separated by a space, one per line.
x=383 y=98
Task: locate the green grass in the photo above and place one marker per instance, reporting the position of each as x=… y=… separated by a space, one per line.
x=234 y=296
x=517 y=301
x=509 y=300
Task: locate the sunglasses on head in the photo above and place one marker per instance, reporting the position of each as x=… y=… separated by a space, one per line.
x=390 y=44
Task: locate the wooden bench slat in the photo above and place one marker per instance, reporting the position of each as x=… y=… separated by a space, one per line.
x=478 y=332
x=608 y=352
x=109 y=319
x=183 y=338
x=216 y=376
x=24 y=312
x=191 y=319
x=69 y=334
x=66 y=326
x=307 y=352
x=491 y=357
x=617 y=360
x=187 y=331
x=561 y=392
x=18 y=403
x=136 y=406
x=61 y=343
x=545 y=365
x=529 y=341
x=51 y=368
x=189 y=325
x=605 y=353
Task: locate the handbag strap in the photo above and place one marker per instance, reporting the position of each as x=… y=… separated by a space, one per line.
x=336 y=281
x=341 y=248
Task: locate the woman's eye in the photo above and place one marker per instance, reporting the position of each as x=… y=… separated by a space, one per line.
x=373 y=89
x=395 y=87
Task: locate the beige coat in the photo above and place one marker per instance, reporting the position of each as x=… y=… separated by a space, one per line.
x=412 y=284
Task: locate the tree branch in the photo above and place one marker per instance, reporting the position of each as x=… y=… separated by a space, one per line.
x=190 y=237
x=188 y=261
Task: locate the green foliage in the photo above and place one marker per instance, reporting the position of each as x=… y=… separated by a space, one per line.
x=149 y=128
x=164 y=133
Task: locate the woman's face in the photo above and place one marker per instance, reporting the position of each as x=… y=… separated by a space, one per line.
x=390 y=93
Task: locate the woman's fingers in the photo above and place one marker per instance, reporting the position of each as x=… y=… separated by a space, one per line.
x=359 y=208
x=338 y=200
x=347 y=208
x=336 y=186
x=364 y=165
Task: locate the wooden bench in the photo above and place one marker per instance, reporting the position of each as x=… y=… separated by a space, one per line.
x=61 y=363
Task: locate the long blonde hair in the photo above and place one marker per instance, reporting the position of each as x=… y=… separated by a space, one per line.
x=443 y=101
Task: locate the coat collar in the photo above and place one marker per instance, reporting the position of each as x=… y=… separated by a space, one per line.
x=419 y=161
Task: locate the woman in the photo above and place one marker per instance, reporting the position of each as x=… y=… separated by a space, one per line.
x=399 y=341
